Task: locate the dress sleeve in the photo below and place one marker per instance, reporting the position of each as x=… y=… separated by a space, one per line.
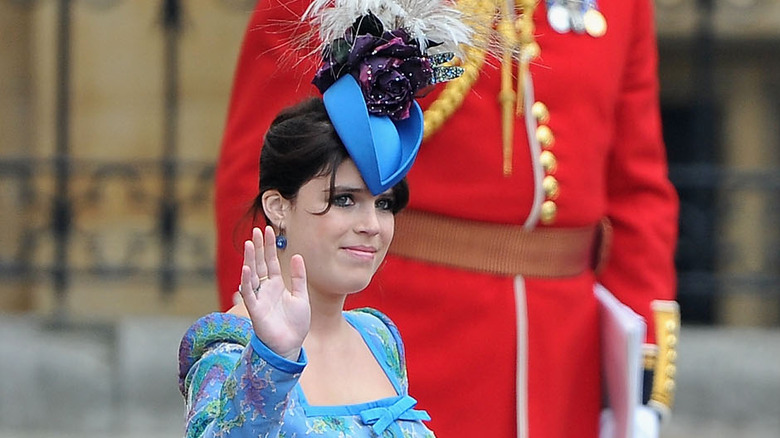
x=642 y=203
x=233 y=385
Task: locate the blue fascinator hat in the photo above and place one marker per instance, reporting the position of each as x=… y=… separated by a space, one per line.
x=383 y=149
x=369 y=78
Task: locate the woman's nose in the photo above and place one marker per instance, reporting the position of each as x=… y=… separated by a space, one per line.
x=369 y=221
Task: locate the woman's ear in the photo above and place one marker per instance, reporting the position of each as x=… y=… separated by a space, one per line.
x=275 y=207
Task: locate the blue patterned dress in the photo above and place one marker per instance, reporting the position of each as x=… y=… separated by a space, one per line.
x=235 y=386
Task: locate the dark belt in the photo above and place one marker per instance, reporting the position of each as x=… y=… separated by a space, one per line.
x=500 y=248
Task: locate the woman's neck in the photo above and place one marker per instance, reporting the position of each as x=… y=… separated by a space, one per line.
x=326 y=314
x=326 y=317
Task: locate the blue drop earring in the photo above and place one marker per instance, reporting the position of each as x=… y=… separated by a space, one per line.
x=281 y=241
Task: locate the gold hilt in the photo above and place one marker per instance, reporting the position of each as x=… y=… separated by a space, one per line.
x=662 y=358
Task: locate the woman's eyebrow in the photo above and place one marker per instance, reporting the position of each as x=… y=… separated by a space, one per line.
x=348 y=189
x=352 y=189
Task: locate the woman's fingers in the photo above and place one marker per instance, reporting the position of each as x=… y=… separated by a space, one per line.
x=254 y=258
x=298 y=277
x=271 y=260
x=250 y=260
x=246 y=287
x=261 y=270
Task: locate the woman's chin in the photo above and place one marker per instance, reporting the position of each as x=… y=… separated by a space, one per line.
x=346 y=286
x=357 y=287
x=356 y=282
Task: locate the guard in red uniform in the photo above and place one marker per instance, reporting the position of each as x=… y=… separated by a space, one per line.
x=543 y=173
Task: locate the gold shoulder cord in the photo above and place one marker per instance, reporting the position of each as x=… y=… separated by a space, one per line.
x=516 y=39
x=451 y=97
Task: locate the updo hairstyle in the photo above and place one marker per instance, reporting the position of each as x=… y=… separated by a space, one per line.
x=300 y=145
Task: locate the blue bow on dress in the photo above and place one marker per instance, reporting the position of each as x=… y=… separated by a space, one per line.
x=385 y=417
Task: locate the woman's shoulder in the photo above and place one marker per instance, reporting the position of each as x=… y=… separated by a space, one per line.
x=385 y=334
x=216 y=327
x=376 y=321
x=210 y=332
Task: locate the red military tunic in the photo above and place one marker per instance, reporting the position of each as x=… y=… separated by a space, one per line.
x=493 y=355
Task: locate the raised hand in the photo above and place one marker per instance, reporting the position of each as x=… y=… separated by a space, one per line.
x=280 y=317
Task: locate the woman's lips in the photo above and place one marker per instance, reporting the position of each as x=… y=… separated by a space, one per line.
x=361 y=252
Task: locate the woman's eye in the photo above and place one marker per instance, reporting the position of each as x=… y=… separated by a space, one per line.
x=343 y=200
x=385 y=204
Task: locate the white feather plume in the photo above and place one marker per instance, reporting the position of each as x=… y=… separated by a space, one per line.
x=425 y=20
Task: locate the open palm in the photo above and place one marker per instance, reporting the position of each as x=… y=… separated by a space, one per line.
x=280 y=317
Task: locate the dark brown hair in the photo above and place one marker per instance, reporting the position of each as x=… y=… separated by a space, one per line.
x=301 y=144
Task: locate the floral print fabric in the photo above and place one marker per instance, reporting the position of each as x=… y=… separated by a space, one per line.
x=234 y=385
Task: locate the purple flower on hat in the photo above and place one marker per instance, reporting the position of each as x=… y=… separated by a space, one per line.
x=389 y=66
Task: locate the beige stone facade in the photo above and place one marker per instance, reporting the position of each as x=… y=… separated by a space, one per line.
x=117 y=115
